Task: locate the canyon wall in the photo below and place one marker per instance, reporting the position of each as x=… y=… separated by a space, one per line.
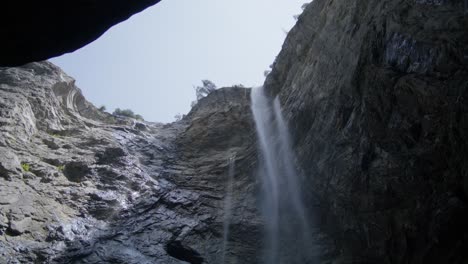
x=79 y=185
x=376 y=96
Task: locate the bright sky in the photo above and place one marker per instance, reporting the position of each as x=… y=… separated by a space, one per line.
x=151 y=62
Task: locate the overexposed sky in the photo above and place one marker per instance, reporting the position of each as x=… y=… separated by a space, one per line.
x=151 y=62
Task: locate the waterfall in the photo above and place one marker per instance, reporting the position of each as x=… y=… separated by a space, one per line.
x=228 y=205
x=287 y=236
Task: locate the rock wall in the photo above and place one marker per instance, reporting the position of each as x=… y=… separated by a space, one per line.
x=376 y=96
x=78 y=186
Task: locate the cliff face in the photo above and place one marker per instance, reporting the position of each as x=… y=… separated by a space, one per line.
x=376 y=96
x=76 y=186
x=39 y=30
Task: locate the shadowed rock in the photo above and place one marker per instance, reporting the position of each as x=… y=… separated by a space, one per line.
x=38 y=30
x=182 y=252
x=375 y=93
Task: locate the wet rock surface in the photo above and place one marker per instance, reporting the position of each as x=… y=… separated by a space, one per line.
x=375 y=93
x=80 y=187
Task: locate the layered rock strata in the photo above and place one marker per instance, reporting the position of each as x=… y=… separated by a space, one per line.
x=78 y=185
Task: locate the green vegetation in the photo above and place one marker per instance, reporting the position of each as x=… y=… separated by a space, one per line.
x=204 y=90
x=178 y=117
x=26 y=167
x=60 y=167
x=303 y=7
x=102 y=108
x=127 y=113
x=55 y=134
x=207 y=88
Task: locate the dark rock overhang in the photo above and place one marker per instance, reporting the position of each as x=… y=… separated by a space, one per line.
x=38 y=30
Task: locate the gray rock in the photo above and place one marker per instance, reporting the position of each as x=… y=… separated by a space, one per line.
x=76 y=171
x=375 y=95
x=18 y=227
x=105 y=192
x=9 y=164
x=374 y=92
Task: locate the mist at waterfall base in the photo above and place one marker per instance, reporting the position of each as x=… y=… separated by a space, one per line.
x=287 y=226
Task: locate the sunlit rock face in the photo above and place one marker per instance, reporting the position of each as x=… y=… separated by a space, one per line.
x=77 y=185
x=375 y=93
x=39 y=30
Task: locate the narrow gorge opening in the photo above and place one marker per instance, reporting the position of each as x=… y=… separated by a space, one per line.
x=353 y=150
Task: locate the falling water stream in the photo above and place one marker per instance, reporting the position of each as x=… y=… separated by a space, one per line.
x=287 y=236
x=228 y=205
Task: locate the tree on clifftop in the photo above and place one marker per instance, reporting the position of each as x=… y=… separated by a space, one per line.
x=204 y=90
x=127 y=113
x=207 y=88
